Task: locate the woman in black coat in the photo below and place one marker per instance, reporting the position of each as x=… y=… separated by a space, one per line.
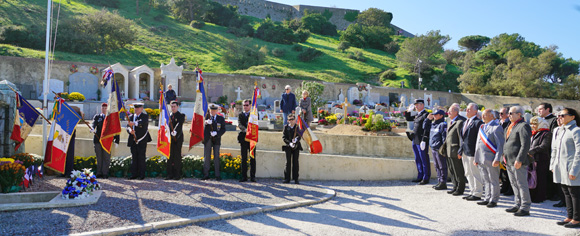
x=540 y=150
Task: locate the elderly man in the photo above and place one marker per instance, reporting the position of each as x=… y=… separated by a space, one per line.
x=288 y=103
x=420 y=140
x=451 y=147
x=466 y=152
x=517 y=145
x=504 y=119
x=488 y=152
x=506 y=187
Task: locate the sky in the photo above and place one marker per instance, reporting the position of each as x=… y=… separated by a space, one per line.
x=543 y=22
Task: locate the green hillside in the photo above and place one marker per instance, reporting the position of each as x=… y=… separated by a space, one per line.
x=204 y=46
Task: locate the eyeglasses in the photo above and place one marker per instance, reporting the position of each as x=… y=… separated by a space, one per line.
x=286 y=89
x=562 y=115
x=513 y=113
x=501 y=113
x=246 y=105
x=290 y=119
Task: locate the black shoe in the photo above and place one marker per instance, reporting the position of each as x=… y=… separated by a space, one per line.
x=168 y=178
x=466 y=197
x=483 y=203
x=142 y=178
x=243 y=180
x=218 y=178
x=134 y=177
x=560 y=204
x=562 y=222
x=253 y=180
x=442 y=186
x=451 y=191
x=525 y=213
x=437 y=185
x=177 y=178
x=296 y=182
x=423 y=182
x=570 y=225
x=513 y=209
x=286 y=181
x=205 y=178
x=473 y=198
x=416 y=180
x=457 y=193
x=491 y=204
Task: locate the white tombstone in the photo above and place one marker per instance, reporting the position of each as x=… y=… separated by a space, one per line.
x=353 y=94
x=340 y=96
x=364 y=110
x=558 y=108
x=238 y=91
x=412 y=100
x=276 y=105
x=528 y=117
x=338 y=111
x=54 y=85
x=428 y=98
x=121 y=71
x=135 y=82
x=172 y=74
x=373 y=98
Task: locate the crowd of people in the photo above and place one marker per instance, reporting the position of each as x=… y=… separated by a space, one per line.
x=496 y=152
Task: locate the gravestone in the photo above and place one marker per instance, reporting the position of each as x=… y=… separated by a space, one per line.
x=528 y=117
x=341 y=96
x=411 y=100
x=385 y=100
x=276 y=105
x=85 y=83
x=55 y=85
x=238 y=91
x=435 y=104
x=353 y=94
x=374 y=98
x=364 y=110
x=394 y=97
x=558 y=108
x=428 y=100
x=214 y=91
x=338 y=111
x=27 y=91
x=172 y=74
x=403 y=100
x=187 y=108
x=442 y=101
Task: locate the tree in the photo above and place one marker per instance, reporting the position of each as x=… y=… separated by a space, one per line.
x=426 y=48
x=375 y=17
x=240 y=54
x=187 y=10
x=362 y=36
x=343 y=46
x=570 y=89
x=275 y=33
x=317 y=23
x=473 y=42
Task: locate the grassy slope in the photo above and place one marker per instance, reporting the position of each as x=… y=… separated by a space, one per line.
x=204 y=46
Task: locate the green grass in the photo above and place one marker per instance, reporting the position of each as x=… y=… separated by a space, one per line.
x=204 y=46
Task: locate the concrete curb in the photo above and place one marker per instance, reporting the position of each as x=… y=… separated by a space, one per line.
x=56 y=202
x=209 y=217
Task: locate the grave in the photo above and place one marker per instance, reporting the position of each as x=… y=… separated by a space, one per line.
x=353 y=94
x=341 y=96
x=238 y=91
x=428 y=98
x=173 y=75
x=84 y=83
x=54 y=85
x=214 y=91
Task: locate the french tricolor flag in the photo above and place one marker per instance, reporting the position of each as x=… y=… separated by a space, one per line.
x=199 y=111
x=309 y=136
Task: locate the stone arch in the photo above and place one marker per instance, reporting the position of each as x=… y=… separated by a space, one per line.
x=121 y=75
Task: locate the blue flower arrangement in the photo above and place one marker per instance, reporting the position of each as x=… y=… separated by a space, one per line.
x=80 y=185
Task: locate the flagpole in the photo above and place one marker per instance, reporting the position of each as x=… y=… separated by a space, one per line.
x=46 y=84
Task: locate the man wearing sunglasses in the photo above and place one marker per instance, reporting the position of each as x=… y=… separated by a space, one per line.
x=288 y=103
x=243 y=119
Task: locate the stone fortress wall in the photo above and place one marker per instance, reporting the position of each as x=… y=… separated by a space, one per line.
x=279 y=12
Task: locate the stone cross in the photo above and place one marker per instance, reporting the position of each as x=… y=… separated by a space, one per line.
x=345 y=105
x=238 y=90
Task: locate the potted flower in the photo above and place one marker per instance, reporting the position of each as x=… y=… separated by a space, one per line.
x=11 y=175
x=80 y=185
x=76 y=97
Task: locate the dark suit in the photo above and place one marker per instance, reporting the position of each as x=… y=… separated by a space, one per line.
x=213 y=143
x=139 y=147
x=469 y=133
x=292 y=154
x=552 y=120
x=243 y=119
x=517 y=146
x=506 y=186
x=450 y=148
x=174 y=163
x=421 y=134
x=103 y=157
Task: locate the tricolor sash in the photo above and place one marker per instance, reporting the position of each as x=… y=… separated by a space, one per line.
x=486 y=140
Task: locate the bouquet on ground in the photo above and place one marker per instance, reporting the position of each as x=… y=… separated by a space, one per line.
x=80 y=185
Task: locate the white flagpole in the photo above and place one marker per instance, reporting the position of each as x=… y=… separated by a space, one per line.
x=46 y=79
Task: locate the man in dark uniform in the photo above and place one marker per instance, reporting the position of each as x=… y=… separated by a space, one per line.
x=243 y=119
x=103 y=157
x=215 y=127
x=292 y=148
x=420 y=141
x=138 y=129
x=554 y=191
x=174 y=163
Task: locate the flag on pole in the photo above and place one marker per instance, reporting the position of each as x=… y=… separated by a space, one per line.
x=112 y=123
x=61 y=130
x=252 y=132
x=199 y=111
x=163 y=135
x=25 y=119
x=307 y=134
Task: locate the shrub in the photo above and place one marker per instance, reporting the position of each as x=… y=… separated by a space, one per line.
x=350 y=16
x=388 y=75
x=264 y=50
x=309 y=54
x=297 y=48
x=317 y=23
x=220 y=14
x=302 y=35
x=357 y=56
x=293 y=24
x=243 y=31
x=275 y=33
x=105 y=3
x=278 y=52
x=367 y=36
x=22 y=36
x=392 y=47
x=241 y=55
x=76 y=96
x=343 y=46
x=197 y=24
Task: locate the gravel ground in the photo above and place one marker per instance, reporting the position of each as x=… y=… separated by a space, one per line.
x=388 y=208
x=128 y=202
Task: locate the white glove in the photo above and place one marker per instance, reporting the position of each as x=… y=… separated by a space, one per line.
x=213 y=133
x=292 y=145
x=208 y=121
x=116 y=145
x=422 y=145
x=129 y=129
x=295 y=140
x=173 y=133
x=92 y=130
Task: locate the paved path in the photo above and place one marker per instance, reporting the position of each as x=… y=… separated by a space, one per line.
x=388 y=208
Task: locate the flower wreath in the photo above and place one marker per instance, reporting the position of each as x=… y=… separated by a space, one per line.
x=73 y=68
x=263 y=86
x=94 y=70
